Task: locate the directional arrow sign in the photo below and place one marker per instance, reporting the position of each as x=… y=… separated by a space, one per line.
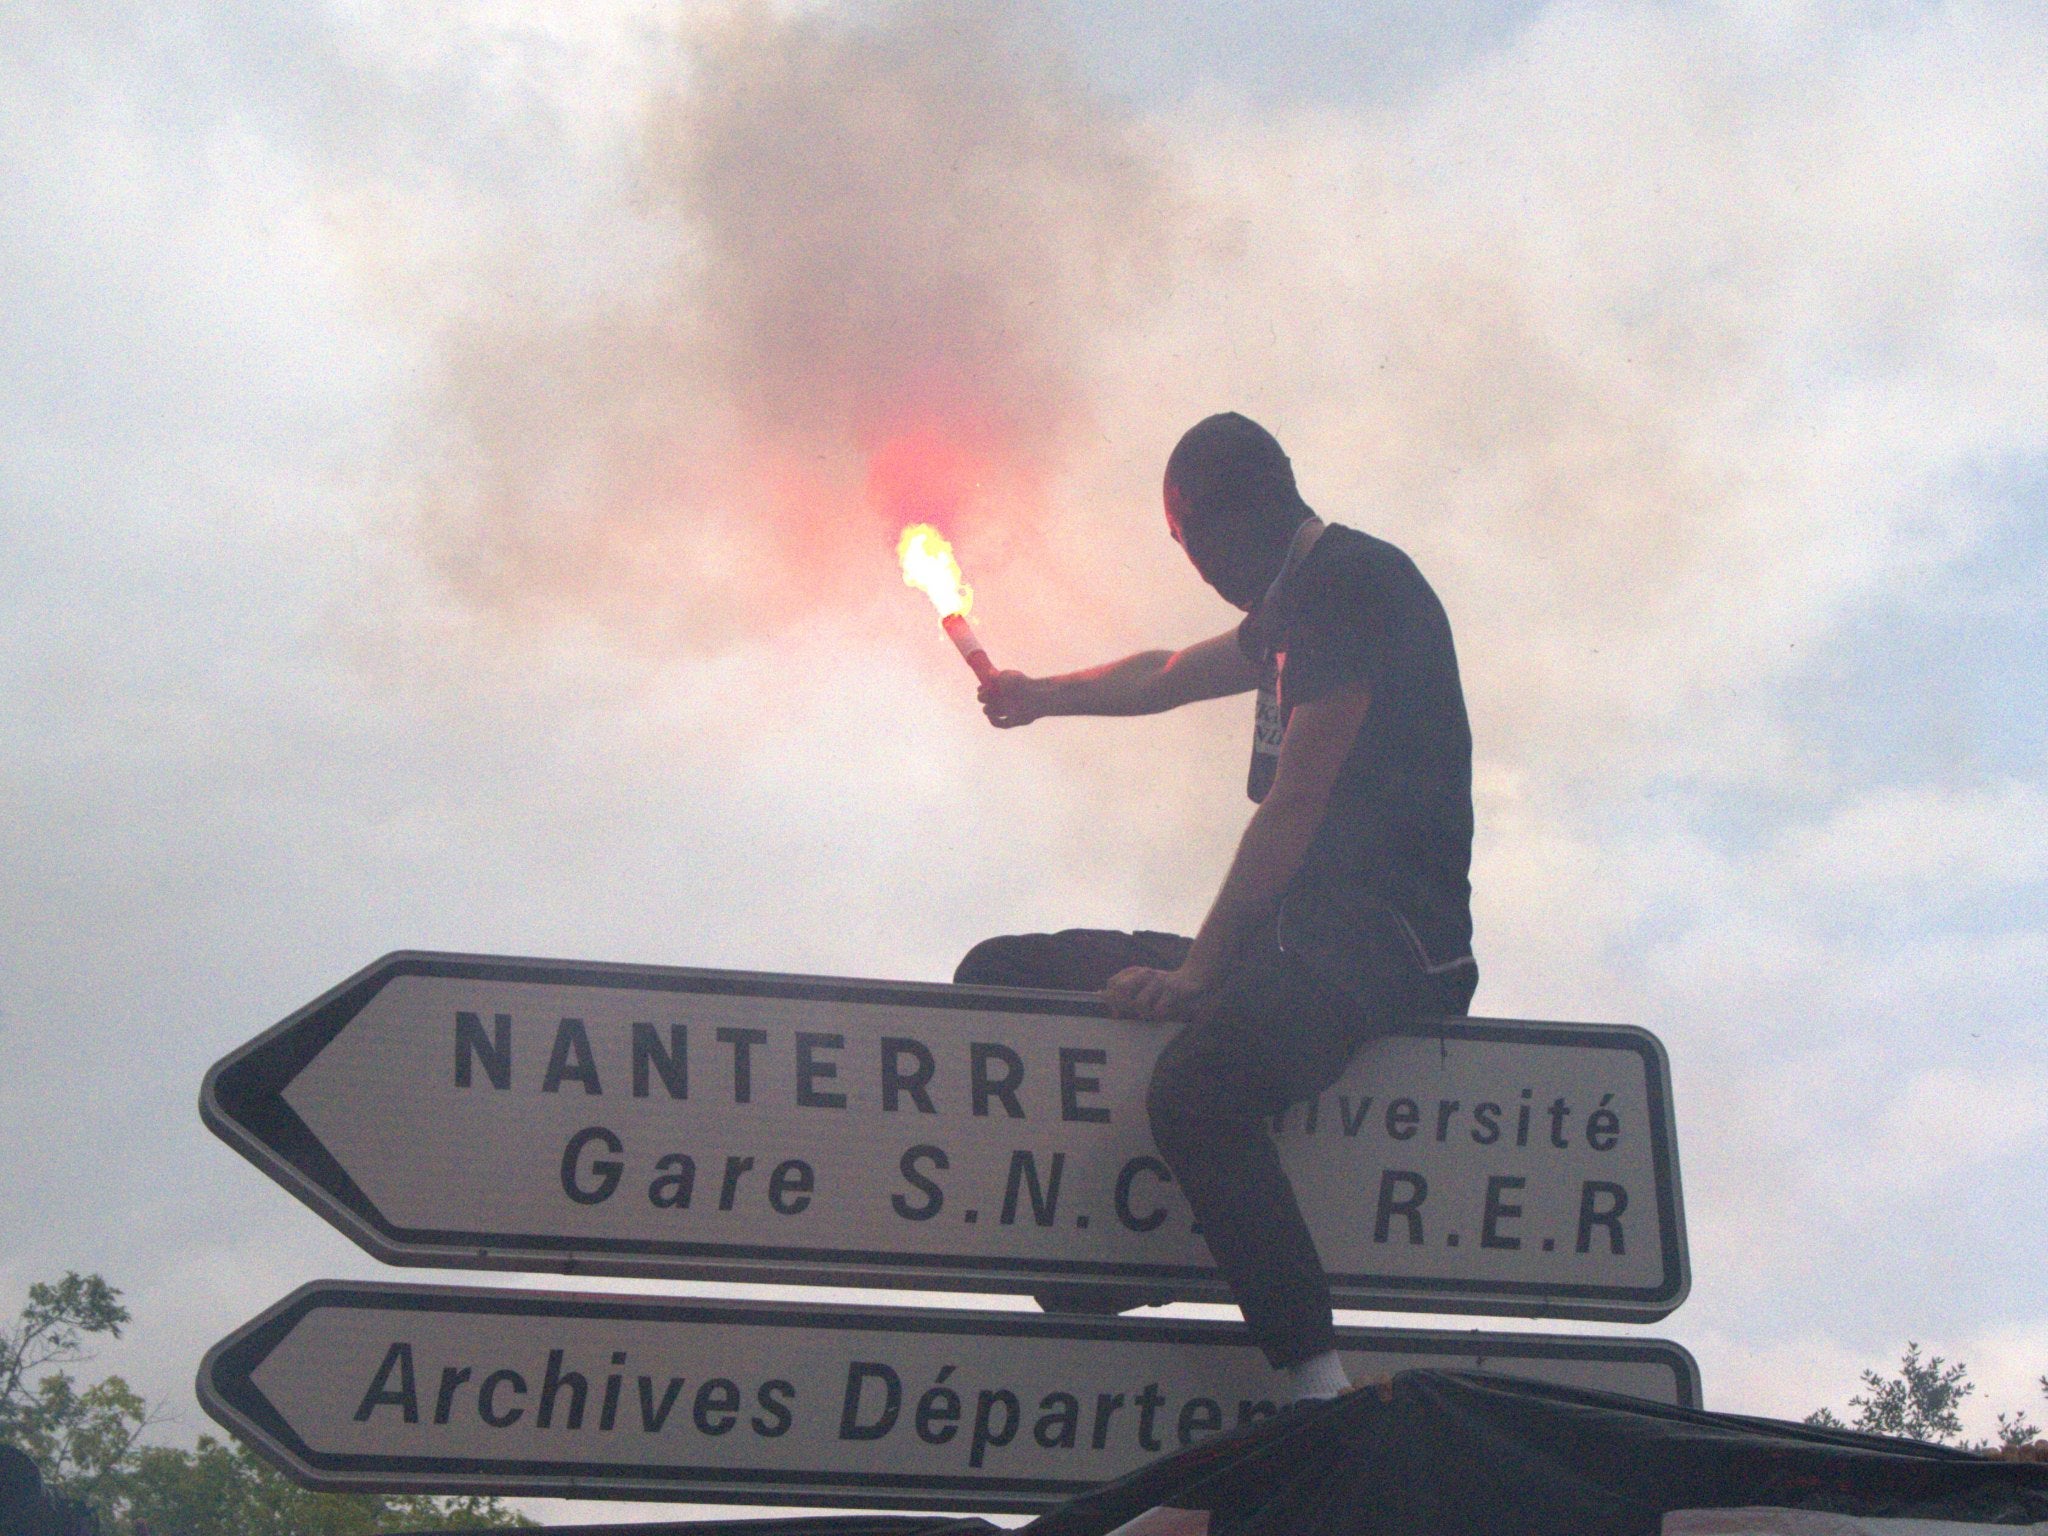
x=528 y=1114
x=430 y=1389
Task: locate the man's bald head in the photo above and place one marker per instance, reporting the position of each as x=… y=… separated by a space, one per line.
x=1231 y=501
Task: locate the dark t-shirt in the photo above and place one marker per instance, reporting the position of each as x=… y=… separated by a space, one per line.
x=1398 y=832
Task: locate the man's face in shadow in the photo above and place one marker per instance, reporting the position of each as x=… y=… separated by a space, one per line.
x=1224 y=550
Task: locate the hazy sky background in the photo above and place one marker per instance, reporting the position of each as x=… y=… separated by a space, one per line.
x=438 y=509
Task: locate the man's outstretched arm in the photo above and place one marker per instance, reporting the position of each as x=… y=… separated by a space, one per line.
x=1319 y=737
x=1143 y=684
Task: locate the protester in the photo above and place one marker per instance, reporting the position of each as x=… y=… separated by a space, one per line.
x=26 y=1509
x=1346 y=911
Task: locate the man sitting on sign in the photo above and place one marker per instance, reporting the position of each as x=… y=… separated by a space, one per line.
x=1347 y=910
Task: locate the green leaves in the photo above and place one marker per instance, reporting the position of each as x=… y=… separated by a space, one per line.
x=52 y=1331
x=1920 y=1403
x=1923 y=1402
x=87 y=1442
x=218 y=1489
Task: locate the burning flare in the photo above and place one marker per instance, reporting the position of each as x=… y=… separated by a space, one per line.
x=928 y=565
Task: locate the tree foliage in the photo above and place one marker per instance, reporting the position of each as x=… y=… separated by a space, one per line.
x=87 y=1443
x=227 y=1490
x=1924 y=1402
x=81 y=1438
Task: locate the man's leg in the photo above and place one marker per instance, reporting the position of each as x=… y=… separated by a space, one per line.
x=1074 y=960
x=1277 y=1036
x=1210 y=1100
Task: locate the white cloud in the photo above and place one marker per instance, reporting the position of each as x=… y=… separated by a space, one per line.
x=1921 y=843
x=1668 y=340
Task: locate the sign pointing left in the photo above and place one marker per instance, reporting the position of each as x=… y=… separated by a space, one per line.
x=449 y=1390
x=482 y=1112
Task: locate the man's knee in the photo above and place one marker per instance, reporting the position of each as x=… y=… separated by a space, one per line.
x=1184 y=1097
x=1072 y=960
x=1005 y=961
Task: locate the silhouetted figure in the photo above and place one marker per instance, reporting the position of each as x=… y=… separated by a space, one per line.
x=26 y=1509
x=1347 y=910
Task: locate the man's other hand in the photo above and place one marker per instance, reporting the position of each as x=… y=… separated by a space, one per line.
x=1143 y=993
x=1011 y=698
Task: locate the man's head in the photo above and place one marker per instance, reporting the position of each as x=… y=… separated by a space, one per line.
x=1232 y=504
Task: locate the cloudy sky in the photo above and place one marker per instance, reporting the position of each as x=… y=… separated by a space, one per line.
x=449 y=459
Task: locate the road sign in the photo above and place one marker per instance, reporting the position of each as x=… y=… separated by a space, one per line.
x=543 y=1115
x=437 y=1389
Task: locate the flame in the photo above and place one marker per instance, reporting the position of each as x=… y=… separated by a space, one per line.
x=928 y=565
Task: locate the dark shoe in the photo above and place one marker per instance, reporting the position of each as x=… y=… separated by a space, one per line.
x=1076 y=1298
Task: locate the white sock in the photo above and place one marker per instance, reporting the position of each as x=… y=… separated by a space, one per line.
x=1318 y=1376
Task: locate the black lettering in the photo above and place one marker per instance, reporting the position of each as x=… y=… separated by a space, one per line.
x=1132 y=1221
x=1353 y=1121
x=1106 y=1405
x=1150 y=1401
x=729 y=1191
x=652 y=1417
x=742 y=1042
x=487 y=1399
x=986 y=1086
x=717 y=1407
x=404 y=1397
x=672 y=1063
x=1044 y=1201
x=790 y=1187
x=675 y=1182
x=1199 y=1416
x=916 y=1083
x=1603 y=1126
x=1445 y=1108
x=1401 y=1194
x=1486 y=1124
x=858 y=1375
x=810 y=1071
x=452 y=1376
x=1403 y=1116
x=1073 y=1085
x=1593 y=1213
x=1251 y=1410
x=985 y=1434
x=774 y=1398
x=607 y=1171
x=571 y=1040
x=551 y=1384
x=608 y=1416
x=1522 y=1121
x=1498 y=1210
x=1059 y=1421
x=495 y=1053
x=938 y=1412
x=1559 y=1112
x=934 y=1196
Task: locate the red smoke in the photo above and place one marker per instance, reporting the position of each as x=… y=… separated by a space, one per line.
x=896 y=236
x=929 y=474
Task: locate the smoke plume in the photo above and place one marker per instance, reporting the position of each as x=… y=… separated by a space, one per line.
x=884 y=244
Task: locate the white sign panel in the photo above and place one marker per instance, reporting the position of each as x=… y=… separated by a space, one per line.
x=479 y=1112
x=430 y=1389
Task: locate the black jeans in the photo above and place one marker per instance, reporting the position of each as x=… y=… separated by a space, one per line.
x=1271 y=1035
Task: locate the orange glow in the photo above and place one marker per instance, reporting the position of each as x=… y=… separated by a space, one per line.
x=928 y=565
